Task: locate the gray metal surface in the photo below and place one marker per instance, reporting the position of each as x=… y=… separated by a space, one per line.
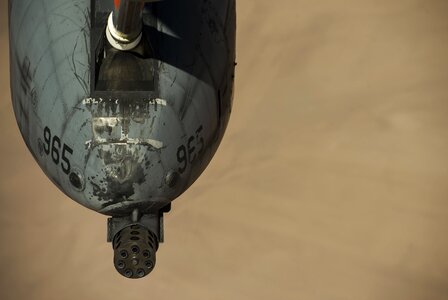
x=123 y=133
x=114 y=150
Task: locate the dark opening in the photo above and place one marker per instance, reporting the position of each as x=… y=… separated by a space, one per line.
x=115 y=70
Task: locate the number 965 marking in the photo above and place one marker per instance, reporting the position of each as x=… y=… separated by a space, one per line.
x=187 y=154
x=58 y=151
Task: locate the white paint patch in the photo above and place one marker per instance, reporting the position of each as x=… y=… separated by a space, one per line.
x=113 y=122
x=90 y=101
x=145 y=142
x=158 y=101
x=106 y=121
x=154 y=143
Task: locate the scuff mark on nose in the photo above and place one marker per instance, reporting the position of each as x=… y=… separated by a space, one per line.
x=122 y=172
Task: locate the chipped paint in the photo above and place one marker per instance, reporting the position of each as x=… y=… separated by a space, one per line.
x=124 y=144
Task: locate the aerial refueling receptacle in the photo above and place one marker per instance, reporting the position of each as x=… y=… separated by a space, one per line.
x=123 y=104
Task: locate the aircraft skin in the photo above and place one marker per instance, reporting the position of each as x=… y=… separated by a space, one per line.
x=122 y=134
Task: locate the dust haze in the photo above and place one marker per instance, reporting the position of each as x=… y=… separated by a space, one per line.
x=331 y=181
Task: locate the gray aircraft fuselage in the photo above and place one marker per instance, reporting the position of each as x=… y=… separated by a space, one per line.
x=123 y=133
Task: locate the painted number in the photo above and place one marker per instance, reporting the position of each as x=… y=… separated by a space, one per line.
x=58 y=151
x=182 y=158
x=65 y=164
x=187 y=154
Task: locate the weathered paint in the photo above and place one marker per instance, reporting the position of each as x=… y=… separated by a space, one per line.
x=125 y=147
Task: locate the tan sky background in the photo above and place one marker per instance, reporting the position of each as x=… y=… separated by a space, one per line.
x=331 y=182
